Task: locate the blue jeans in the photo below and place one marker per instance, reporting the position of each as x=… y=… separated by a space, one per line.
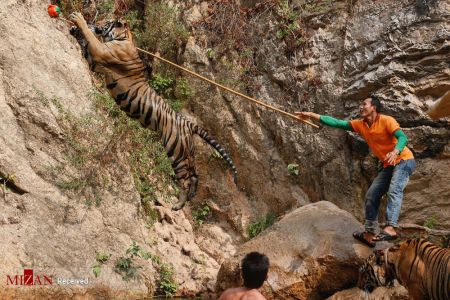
x=391 y=180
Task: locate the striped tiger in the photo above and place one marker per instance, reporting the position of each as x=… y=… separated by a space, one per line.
x=117 y=58
x=420 y=266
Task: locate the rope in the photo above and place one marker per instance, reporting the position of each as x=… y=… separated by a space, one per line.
x=229 y=90
x=222 y=86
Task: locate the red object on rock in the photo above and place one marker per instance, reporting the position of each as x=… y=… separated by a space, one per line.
x=53 y=10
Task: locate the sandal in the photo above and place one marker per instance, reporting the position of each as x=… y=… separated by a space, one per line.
x=360 y=237
x=384 y=236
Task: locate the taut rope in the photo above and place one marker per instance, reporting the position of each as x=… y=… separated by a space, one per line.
x=228 y=89
x=221 y=86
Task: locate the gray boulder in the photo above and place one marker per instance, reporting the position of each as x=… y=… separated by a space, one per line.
x=312 y=254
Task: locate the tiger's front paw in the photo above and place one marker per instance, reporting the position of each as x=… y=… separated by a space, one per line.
x=78 y=19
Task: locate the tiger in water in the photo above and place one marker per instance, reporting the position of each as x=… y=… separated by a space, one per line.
x=420 y=266
x=117 y=58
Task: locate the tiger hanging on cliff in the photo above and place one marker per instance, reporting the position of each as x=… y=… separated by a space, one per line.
x=117 y=58
x=420 y=266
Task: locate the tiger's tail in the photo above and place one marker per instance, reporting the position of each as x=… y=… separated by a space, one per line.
x=205 y=136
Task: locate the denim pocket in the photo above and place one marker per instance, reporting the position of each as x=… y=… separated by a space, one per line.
x=408 y=165
x=411 y=165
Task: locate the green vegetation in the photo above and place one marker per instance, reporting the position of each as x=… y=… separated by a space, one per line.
x=172 y=90
x=100 y=144
x=289 y=20
x=182 y=89
x=126 y=268
x=160 y=31
x=168 y=32
x=97 y=269
x=293 y=169
x=166 y=284
x=291 y=28
x=125 y=265
x=162 y=85
x=150 y=212
x=256 y=228
x=201 y=214
x=101 y=258
x=210 y=53
x=431 y=223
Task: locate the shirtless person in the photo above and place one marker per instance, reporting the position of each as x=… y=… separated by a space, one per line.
x=254 y=272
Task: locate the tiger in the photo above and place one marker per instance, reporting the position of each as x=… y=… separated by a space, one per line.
x=125 y=78
x=420 y=266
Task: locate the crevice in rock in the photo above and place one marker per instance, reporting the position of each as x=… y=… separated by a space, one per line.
x=8 y=181
x=408 y=123
x=408 y=59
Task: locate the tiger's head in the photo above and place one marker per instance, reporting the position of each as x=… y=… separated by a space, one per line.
x=114 y=30
x=377 y=270
x=111 y=30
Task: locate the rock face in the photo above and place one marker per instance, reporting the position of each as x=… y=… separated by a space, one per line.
x=343 y=52
x=440 y=108
x=311 y=251
x=56 y=233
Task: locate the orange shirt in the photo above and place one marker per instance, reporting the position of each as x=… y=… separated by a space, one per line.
x=380 y=137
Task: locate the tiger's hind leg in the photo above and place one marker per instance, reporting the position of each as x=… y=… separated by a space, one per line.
x=181 y=200
x=183 y=163
x=193 y=183
x=183 y=196
x=188 y=181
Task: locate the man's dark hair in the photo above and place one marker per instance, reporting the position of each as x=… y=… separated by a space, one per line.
x=254 y=269
x=376 y=102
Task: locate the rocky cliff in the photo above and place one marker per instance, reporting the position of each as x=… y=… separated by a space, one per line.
x=48 y=224
x=326 y=57
x=66 y=216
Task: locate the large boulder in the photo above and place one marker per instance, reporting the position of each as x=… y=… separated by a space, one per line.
x=311 y=250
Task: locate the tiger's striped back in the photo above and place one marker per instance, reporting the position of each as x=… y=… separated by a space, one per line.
x=435 y=261
x=141 y=101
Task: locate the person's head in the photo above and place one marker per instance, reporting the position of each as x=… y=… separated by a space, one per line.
x=254 y=269
x=369 y=106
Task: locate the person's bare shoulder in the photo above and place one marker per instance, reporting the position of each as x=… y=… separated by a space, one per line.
x=253 y=295
x=232 y=294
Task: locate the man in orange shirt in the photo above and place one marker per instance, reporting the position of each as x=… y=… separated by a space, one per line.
x=388 y=142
